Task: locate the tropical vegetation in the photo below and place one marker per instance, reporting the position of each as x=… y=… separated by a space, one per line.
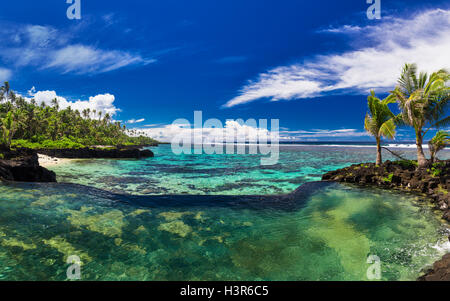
x=423 y=101
x=24 y=123
x=379 y=121
x=438 y=143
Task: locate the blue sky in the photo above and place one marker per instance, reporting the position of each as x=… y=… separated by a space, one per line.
x=309 y=64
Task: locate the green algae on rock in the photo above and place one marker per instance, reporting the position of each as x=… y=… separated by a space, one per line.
x=264 y=242
x=109 y=223
x=172 y=215
x=14 y=242
x=176 y=227
x=65 y=248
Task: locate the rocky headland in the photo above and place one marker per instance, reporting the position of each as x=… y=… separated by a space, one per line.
x=23 y=166
x=432 y=182
x=98 y=153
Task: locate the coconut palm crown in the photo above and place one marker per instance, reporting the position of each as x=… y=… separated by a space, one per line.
x=380 y=121
x=423 y=100
x=438 y=143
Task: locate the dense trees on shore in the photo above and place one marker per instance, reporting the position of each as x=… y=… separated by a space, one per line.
x=25 y=123
x=423 y=101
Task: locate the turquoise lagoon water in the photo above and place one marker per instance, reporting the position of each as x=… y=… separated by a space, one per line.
x=321 y=232
x=167 y=173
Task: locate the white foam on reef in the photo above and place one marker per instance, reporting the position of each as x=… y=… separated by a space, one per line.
x=338 y=145
x=393 y=145
x=408 y=146
x=405 y=146
x=442 y=248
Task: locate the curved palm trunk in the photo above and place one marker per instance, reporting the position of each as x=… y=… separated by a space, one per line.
x=379 y=159
x=432 y=153
x=421 y=160
x=433 y=158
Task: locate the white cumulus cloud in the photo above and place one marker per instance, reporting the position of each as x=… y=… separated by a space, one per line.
x=230 y=131
x=423 y=39
x=234 y=131
x=100 y=103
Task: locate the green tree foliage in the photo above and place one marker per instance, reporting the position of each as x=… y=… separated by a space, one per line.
x=26 y=124
x=8 y=128
x=438 y=143
x=379 y=121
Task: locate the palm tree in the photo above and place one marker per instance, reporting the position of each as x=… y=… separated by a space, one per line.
x=379 y=121
x=438 y=143
x=107 y=118
x=9 y=127
x=85 y=114
x=423 y=101
x=5 y=91
x=55 y=104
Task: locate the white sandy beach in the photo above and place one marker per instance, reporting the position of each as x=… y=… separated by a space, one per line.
x=46 y=161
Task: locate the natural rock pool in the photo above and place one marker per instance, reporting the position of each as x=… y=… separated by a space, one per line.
x=325 y=233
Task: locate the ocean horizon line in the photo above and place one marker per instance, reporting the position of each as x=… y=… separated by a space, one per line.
x=400 y=144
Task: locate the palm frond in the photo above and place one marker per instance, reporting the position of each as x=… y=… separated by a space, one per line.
x=387 y=129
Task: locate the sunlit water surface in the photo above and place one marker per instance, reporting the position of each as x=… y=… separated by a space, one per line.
x=218 y=173
x=326 y=233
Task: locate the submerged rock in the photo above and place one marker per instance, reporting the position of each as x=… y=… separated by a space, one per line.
x=67 y=249
x=109 y=223
x=176 y=227
x=172 y=215
x=13 y=242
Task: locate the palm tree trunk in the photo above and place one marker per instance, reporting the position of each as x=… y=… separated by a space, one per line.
x=432 y=154
x=379 y=159
x=421 y=160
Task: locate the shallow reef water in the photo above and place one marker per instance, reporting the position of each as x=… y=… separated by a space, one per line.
x=325 y=233
x=229 y=174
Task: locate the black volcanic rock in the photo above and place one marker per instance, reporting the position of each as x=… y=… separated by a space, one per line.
x=97 y=153
x=394 y=175
x=23 y=166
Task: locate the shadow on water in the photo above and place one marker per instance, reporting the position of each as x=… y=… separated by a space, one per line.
x=283 y=202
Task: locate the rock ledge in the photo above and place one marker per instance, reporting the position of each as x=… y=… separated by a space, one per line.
x=23 y=166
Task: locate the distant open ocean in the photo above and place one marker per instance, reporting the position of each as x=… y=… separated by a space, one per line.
x=406 y=144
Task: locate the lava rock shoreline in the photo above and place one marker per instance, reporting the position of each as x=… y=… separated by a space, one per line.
x=432 y=182
x=23 y=166
x=98 y=153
